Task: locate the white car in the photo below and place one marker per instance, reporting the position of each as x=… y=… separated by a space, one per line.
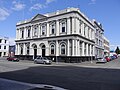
x=101 y=60
x=42 y=60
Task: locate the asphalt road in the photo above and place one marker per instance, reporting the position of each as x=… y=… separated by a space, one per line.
x=82 y=76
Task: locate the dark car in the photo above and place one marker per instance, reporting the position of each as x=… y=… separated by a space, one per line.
x=12 y=59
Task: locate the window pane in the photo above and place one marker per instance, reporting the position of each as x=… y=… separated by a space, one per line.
x=62 y=49
x=52 y=49
x=63 y=27
x=43 y=30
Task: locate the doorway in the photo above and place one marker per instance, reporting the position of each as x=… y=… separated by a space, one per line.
x=35 y=51
x=43 y=50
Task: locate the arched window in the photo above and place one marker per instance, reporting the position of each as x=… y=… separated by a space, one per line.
x=52 y=49
x=28 y=50
x=21 y=50
x=63 y=49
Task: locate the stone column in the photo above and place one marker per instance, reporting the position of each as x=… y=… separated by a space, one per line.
x=90 y=50
x=93 y=51
x=68 y=25
x=82 y=29
x=77 y=26
x=39 y=30
x=76 y=45
x=24 y=49
x=47 y=28
x=57 y=28
x=68 y=47
x=16 y=50
x=25 y=32
x=57 y=48
x=17 y=34
x=86 y=49
x=78 y=48
x=31 y=32
x=90 y=33
x=73 y=25
x=47 y=50
x=73 y=47
x=83 y=44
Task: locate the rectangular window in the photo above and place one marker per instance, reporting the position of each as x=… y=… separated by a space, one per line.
x=43 y=30
x=0 y=54
x=4 y=53
x=0 y=46
x=21 y=51
x=22 y=32
x=0 y=41
x=28 y=50
x=53 y=29
x=28 y=32
x=63 y=27
x=5 y=41
x=35 y=31
x=4 y=47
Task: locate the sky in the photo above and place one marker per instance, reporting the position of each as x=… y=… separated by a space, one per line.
x=107 y=12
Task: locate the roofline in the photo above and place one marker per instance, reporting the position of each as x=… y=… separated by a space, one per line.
x=59 y=15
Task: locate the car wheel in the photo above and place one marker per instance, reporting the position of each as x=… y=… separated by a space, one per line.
x=35 y=62
x=44 y=62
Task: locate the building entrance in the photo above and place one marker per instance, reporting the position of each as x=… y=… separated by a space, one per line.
x=43 y=50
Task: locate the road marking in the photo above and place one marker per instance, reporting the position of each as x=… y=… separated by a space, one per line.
x=31 y=86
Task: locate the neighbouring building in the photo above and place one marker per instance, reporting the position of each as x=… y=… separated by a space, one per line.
x=11 y=50
x=99 y=39
x=4 y=46
x=106 y=47
x=63 y=35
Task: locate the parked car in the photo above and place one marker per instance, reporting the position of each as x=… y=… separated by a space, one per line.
x=116 y=56
x=113 y=57
x=101 y=60
x=107 y=58
x=12 y=59
x=42 y=60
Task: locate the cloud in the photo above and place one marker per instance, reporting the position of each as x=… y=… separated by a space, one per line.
x=49 y=1
x=3 y=14
x=37 y=6
x=12 y=41
x=92 y=2
x=18 y=6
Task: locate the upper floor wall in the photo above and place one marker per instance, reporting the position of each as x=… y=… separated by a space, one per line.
x=66 y=22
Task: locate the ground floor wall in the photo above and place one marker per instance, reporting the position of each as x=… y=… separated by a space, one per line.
x=67 y=59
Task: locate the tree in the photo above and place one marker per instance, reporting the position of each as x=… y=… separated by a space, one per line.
x=117 y=50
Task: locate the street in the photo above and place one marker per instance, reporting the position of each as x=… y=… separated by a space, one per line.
x=71 y=76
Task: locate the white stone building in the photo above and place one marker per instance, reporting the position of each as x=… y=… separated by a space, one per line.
x=99 y=40
x=4 y=46
x=63 y=35
x=106 y=47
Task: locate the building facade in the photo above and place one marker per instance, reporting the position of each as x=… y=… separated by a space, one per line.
x=106 y=47
x=4 y=46
x=63 y=35
x=99 y=40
